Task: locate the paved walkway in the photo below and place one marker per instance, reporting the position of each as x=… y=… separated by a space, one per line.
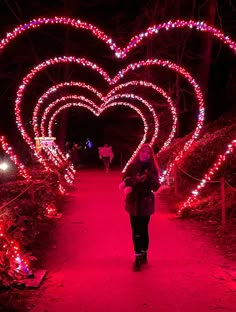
x=90 y=268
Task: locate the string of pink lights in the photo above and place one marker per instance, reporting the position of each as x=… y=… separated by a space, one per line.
x=35 y=126
x=63 y=107
x=198 y=95
x=58 y=161
x=56 y=88
x=99 y=109
x=154 y=30
x=50 y=106
x=112 y=92
x=209 y=175
x=9 y=151
x=31 y=75
x=82 y=98
x=55 y=155
x=12 y=250
x=98 y=112
x=53 y=105
x=165 y=96
x=140 y=99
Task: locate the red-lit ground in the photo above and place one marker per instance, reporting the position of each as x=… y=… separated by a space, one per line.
x=90 y=268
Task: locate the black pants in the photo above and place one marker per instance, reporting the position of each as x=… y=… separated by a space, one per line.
x=140 y=234
x=106 y=162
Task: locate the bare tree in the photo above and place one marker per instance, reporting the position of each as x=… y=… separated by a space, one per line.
x=209 y=12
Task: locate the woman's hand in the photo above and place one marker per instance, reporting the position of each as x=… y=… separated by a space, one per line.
x=127 y=190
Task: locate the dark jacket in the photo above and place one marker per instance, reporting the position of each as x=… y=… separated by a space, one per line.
x=144 y=181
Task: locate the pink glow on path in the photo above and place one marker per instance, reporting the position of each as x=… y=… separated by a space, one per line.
x=90 y=266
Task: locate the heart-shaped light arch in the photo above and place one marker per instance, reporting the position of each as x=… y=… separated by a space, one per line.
x=112 y=99
x=79 y=98
x=94 y=106
x=98 y=112
x=103 y=99
x=79 y=84
x=134 y=42
x=84 y=62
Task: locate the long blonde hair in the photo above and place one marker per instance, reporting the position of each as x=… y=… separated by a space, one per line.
x=153 y=159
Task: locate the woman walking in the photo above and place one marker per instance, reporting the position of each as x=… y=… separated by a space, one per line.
x=106 y=154
x=139 y=182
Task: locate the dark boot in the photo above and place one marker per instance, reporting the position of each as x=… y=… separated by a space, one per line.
x=144 y=257
x=137 y=263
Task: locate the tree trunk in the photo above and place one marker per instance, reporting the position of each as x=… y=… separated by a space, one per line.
x=206 y=46
x=63 y=117
x=180 y=53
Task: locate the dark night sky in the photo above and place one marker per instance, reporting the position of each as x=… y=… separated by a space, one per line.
x=121 y=20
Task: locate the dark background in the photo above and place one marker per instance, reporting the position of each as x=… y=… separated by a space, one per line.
x=121 y=127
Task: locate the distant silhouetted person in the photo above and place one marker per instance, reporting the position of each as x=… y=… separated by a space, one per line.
x=138 y=183
x=106 y=154
x=67 y=147
x=75 y=155
x=88 y=144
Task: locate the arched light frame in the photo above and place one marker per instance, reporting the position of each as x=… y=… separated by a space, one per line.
x=120 y=75
x=114 y=98
x=103 y=99
x=98 y=113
